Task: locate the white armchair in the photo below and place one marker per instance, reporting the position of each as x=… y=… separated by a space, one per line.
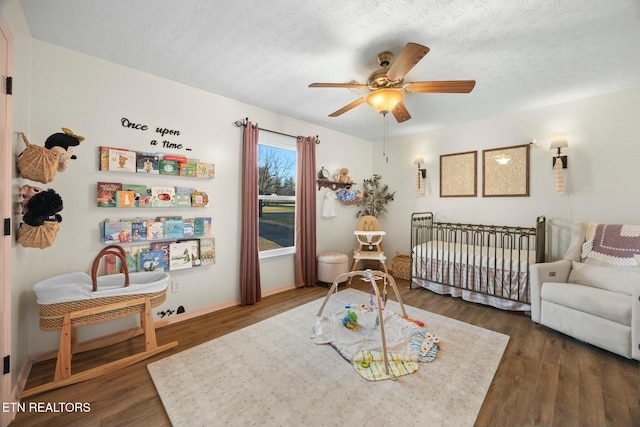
x=590 y=301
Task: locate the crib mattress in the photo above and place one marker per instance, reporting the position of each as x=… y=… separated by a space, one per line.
x=480 y=256
x=78 y=286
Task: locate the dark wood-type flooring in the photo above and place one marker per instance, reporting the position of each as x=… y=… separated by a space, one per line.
x=544 y=378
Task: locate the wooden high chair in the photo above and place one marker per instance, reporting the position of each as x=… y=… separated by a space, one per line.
x=369 y=237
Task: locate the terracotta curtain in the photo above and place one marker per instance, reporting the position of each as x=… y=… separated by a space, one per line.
x=305 y=258
x=250 y=292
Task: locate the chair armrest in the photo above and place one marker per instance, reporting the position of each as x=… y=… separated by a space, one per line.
x=635 y=322
x=557 y=271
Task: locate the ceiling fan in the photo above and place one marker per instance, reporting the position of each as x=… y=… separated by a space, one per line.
x=387 y=87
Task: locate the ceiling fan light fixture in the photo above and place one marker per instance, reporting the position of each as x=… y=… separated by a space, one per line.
x=385 y=100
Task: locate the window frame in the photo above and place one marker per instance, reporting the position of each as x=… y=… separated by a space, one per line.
x=286 y=143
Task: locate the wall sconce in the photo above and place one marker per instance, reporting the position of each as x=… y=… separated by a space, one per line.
x=419 y=159
x=559 y=140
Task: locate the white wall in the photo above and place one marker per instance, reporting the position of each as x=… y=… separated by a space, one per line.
x=55 y=87
x=602 y=175
x=90 y=96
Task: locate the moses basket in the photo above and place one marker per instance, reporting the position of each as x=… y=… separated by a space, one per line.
x=77 y=299
x=78 y=291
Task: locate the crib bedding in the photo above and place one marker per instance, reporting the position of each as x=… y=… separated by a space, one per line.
x=474 y=296
x=490 y=276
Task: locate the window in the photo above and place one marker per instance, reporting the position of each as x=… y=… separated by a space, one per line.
x=276 y=194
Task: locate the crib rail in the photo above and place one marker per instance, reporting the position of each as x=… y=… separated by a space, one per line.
x=489 y=259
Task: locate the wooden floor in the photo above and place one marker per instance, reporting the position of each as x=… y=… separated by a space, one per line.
x=545 y=378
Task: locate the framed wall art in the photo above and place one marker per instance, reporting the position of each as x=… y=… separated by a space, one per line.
x=505 y=171
x=458 y=174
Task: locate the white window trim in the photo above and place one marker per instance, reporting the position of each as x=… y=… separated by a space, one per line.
x=277 y=253
x=287 y=143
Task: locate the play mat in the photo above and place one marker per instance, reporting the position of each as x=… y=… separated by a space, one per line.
x=355 y=333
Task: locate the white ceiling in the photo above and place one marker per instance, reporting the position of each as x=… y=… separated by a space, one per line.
x=522 y=53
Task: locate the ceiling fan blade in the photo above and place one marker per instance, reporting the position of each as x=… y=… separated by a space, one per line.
x=448 y=86
x=348 y=107
x=408 y=58
x=400 y=113
x=341 y=85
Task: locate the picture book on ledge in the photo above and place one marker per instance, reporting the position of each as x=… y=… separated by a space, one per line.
x=180 y=256
x=166 y=255
x=139 y=229
x=163 y=247
x=207 y=251
x=116 y=231
x=106 y=192
x=151 y=261
x=148 y=163
x=122 y=160
x=123 y=195
x=114 y=159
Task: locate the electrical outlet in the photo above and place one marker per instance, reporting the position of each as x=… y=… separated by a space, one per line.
x=176 y=287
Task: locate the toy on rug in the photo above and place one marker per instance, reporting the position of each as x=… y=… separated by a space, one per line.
x=364 y=311
x=417 y=322
x=350 y=319
x=63 y=143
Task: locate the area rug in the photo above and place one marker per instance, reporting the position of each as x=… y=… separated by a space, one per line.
x=273 y=374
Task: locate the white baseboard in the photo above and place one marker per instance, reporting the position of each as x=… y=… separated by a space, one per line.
x=21 y=381
x=217 y=307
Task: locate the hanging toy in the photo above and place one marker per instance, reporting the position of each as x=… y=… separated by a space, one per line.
x=63 y=143
x=350 y=319
x=42 y=207
x=41 y=220
x=40 y=164
x=27 y=192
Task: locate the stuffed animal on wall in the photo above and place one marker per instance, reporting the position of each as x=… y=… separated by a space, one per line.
x=43 y=206
x=27 y=192
x=63 y=143
x=343 y=176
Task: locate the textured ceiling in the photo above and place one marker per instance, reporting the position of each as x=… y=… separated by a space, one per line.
x=522 y=53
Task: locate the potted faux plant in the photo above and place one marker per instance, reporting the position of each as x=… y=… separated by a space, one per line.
x=375 y=197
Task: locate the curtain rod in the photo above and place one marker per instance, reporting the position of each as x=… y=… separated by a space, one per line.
x=244 y=123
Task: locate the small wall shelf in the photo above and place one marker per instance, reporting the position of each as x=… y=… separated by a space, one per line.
x=333 y=185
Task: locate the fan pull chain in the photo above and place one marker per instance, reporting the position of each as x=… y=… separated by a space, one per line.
x=384 y=135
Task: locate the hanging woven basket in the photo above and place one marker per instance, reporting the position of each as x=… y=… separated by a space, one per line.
x=37 y=163
x=41 y=236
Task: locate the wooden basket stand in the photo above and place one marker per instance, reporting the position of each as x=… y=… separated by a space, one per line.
x=100 y=310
